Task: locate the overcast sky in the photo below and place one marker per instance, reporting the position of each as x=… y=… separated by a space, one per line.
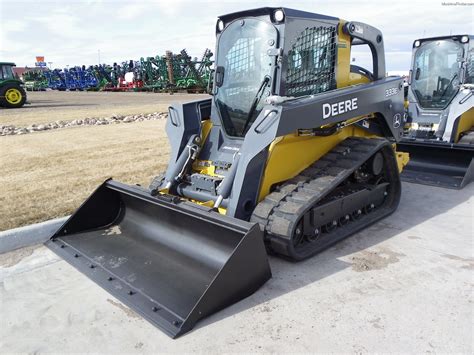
x=72 y=32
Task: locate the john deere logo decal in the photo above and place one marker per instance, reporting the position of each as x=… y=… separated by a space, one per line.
x=397 y=120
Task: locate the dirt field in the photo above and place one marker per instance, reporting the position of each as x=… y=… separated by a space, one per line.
x=49 y=106
x=48 y=174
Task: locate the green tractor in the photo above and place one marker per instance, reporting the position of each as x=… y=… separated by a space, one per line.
x=12 y=94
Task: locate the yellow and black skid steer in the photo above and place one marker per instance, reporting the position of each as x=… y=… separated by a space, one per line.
x=294 y=151
x=439 y=130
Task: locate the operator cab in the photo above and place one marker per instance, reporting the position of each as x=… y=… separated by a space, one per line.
x=6 y=71
x=437 y=72
x=442 y=69
x=282 y=52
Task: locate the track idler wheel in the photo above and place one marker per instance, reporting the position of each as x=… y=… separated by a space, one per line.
x=376 y=164
x=329 y=227
x=369 y=208
x=356 y=214
x=313 y=237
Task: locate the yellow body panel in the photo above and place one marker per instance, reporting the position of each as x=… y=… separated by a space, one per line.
x=356 y=78
x=205 y=166
x=343 y=66
x=206 y=126
x=402 y=159
x=291 y=154
x=466 y=122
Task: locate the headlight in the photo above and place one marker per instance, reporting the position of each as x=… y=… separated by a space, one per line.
x=464 y=39
x=279 y=15
x=220 y=25
x=417 y=43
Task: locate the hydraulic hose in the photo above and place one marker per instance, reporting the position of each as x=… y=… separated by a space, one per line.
x=185 y=160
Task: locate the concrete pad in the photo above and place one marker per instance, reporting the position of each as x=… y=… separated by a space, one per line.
x=403 y=285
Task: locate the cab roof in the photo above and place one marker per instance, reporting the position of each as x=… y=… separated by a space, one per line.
x=454 y=37
x=270 y=10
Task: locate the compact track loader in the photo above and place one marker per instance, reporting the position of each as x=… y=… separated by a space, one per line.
x=439 y=132
x=294 y=152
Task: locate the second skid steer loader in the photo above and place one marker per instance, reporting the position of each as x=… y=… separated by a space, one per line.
x=294 y=152
x=439 y=132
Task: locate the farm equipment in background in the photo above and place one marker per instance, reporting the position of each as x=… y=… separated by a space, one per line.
x=205 y=68
x=439 y=132
x=12 y=93
x=35 y=80
x=91 y=81
x=70 y=79
x=75 y=78
x=103 y=73
x=127 y=76
x=55 y=79
x=195 y=79
x=81 y=78
x=85 y=78
x=294 y=151
x=154 y=73
x=167 y=73
x=176 y=72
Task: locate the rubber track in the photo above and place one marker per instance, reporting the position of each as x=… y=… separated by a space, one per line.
x=279 y=212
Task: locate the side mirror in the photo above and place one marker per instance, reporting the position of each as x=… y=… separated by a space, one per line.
x=417 y=74
x=219 y=76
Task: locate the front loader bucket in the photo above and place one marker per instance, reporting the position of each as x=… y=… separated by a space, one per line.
x=169 y=261
x=438 y=164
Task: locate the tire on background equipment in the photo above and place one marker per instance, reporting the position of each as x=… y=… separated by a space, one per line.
x=12 y=96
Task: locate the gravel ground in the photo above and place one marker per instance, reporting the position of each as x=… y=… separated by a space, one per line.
x=50 y=106
x=49 y=174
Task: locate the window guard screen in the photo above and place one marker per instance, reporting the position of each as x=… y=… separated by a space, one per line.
x=311 y=62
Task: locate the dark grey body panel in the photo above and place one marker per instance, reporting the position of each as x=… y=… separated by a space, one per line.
x=307 y=112
x=184 y=120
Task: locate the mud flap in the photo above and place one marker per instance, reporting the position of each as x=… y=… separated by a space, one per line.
x=438 y=164
x=169 y=261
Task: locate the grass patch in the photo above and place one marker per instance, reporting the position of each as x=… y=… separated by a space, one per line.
x=49 y=174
